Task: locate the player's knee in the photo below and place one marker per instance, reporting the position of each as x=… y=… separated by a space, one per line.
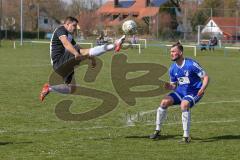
x=184 y=108
x=165 y=103
x=185 y=105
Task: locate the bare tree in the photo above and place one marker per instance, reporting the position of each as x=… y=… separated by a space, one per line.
x=10 y=14
x=56 y=8
x=77 y=6
x=11 y=9
x=176 y=3
x=87 y=22
x=83 y=10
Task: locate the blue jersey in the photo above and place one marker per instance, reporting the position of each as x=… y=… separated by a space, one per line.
x=187 y=76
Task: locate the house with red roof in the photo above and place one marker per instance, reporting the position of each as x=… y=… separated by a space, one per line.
x=114 y=12
x=226 y=27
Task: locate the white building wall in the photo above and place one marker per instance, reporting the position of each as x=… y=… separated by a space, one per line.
x=212 y=27
x=47 y=24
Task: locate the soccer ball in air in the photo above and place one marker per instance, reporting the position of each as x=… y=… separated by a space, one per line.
x=129 y=27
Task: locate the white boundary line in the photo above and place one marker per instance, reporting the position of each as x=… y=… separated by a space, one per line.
x=114 y=127
x=225 y=51
x=231 y=47
x=48 y=42
x=133 y=117
x=34 y=65
x=126 y=126
x=217 y=102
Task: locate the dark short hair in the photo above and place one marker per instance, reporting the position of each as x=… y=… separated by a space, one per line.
x=70 y=19
x=178 y=45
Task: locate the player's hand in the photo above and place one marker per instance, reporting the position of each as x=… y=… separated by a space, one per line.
x=167 y=85
x=200 y=92
x=78 y=56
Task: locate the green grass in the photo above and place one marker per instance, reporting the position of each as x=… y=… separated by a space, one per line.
x=31 y=130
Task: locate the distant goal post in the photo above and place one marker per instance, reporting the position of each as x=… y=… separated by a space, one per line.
x=230 y=48
x=144 y=42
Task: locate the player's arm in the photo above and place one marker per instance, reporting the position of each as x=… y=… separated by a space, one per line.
x=69 y=47
x=170 y=85
x=205 y=81
x=203 y=75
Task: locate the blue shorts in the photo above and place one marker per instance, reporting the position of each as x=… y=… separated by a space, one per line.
x=191 y=98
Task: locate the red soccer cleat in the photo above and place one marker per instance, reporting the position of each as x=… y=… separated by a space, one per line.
x=44 y=92
x=118 y=43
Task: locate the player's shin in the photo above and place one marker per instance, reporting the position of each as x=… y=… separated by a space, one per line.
x=62 y=88
x=97 y=51
x=161 y=115
x=186 y=121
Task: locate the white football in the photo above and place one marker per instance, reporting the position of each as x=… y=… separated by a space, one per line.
x=129 y=27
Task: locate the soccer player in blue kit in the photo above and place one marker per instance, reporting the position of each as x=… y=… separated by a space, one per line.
x=188 y=81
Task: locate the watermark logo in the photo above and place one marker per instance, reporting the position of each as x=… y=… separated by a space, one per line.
x=120 y=68
x=149 y=117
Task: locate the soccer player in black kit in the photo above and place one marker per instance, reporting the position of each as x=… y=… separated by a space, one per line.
x=63 y=49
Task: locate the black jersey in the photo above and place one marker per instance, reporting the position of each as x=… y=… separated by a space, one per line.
x=57 y=49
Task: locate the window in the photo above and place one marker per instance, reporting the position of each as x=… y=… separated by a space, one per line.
x=211 y=24
x=45 y=21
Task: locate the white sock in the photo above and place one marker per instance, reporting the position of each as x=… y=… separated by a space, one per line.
x=97 y=51
x=161 y=115
x=62 y=88
x=186 y=120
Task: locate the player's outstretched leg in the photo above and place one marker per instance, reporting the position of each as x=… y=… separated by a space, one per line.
x=99 y=50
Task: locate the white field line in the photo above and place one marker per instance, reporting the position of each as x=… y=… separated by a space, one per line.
x=34 y=65
x=45 y=130
x=217 y=102
x=112 y=127
x=198 y=122
x=232 y=47
x=133 y=118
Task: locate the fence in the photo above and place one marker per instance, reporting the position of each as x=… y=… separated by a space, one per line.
x=170 y=24
x=226 y=34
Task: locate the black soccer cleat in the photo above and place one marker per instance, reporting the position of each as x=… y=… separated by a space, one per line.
x=185 y=140
x=155 y=135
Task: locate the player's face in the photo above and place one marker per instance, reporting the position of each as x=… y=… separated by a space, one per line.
x=71 y=26
x=175 y=53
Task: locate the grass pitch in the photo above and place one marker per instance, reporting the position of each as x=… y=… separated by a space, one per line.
x=30 y=129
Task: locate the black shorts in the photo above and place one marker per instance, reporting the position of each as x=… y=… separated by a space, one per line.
x=64 y=66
